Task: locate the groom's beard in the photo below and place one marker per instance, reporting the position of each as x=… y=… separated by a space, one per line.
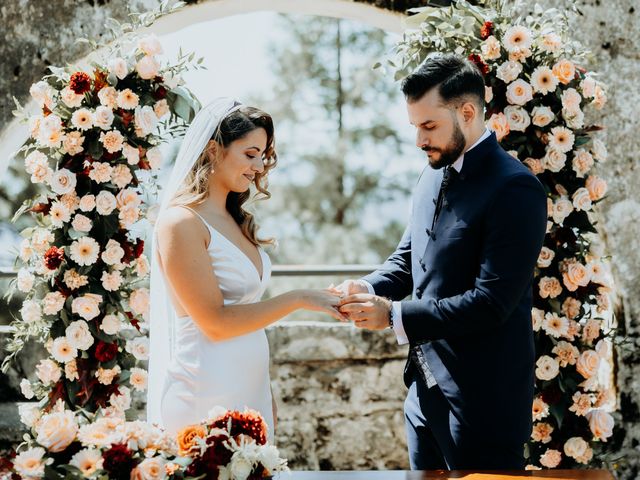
x=451 y=152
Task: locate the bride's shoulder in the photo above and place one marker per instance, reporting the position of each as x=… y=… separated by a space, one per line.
x=177 y=219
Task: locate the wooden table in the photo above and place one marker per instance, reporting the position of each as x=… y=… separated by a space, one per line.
x=446 y=475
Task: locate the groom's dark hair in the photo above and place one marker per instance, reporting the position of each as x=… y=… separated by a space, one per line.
x=456 y=78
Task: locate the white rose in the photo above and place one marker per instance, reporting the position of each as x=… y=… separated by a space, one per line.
x=132 y=154
x=149 y=469
x=139 y=348
x=155 y=157
x=575 y=447
x=588 y=363
x=518 y=118
x=87 y=306
x=108 y=97
x=562 y=208
x=113 y=253
x=150 y=45
x=128 y=216
x=122 y=401
x=269 y=456
x=105 y=202
x=554 y=160
x=582 y=199
x=103 y=117
x=542 y=116
x=25 y=388
x=29 y=414
x=48 y=371
x=601 y=424
x=142 y=266
x=79 y=335
x=42 y=93
x=70 y=98
x=147 y=67
x=509 y=71
x=81 y=223
x=490 y=48
x=146 y=120
x=31 y=311
x=139 y=301
x=118 y=67
x=52 y=303
x=546 y=257
x=519 y=92
x=599 y=150
x=57 y=430
x=548 y=368
x=25 y=280
x=161 y=108
x=240 y=467
x=111 y=281
x=87 y=203
x=110 y=324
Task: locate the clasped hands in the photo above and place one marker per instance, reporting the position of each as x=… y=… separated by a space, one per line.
x=364 y=309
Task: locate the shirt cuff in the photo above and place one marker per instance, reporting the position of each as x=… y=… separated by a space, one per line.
x=398 y=327
x=369 y=286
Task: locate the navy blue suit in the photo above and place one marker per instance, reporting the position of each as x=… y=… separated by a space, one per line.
x=470 y=311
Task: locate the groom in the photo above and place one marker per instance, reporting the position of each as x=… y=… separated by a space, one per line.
x=467 y=259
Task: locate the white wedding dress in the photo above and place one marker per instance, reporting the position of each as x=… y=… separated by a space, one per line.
x=232 y=373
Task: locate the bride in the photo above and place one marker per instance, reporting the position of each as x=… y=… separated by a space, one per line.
x=209 y=272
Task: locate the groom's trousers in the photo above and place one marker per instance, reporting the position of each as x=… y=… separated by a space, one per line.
x=437 y=439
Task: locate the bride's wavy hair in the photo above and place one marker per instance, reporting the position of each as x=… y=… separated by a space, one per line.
x=195 y=187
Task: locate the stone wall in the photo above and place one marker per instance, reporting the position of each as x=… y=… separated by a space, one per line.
x=39 y=33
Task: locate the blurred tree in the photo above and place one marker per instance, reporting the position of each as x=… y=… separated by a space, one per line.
x=333 y=112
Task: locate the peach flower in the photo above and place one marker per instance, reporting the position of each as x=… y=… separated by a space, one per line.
x=549 y=287
x=542 y=432
x=550 y=458
x=519 y=92
x=186 y=438
x=596 y=186
x=499 y=124
x=547 y=368
x=582 y=162
x=564 y=71
x=581 y=403
x=588 y=363
x=582 y=199
x=56 y=431
x=567 y=353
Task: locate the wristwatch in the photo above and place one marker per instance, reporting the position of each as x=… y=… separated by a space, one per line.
x=391 y=315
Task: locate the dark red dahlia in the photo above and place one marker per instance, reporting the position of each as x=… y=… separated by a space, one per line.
x=53 y=257
x=483 y=67
x=41 y=208
x=105 y=352
x=244 y=423
x=80 y=83
x=486 y=30
x=160 y=93
x=118 y=461
x=139 y=248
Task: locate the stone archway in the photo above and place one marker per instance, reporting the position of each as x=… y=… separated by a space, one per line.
x=42 y=33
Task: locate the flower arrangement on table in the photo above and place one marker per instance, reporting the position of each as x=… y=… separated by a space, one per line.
x=537 y=93
x=229 y=445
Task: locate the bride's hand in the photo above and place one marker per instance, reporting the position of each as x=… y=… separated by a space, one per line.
x=326 y=301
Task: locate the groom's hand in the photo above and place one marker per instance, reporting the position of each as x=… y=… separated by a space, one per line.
x=351 y=287
x=367 y=311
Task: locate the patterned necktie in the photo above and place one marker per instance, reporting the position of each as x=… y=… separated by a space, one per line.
x=449 y=176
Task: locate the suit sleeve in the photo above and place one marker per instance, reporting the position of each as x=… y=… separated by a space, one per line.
x=513 y=233
x=393 y=279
